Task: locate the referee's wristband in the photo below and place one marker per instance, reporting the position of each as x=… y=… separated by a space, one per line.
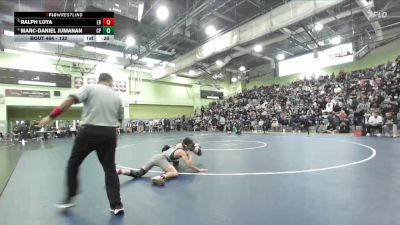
x=56 y=112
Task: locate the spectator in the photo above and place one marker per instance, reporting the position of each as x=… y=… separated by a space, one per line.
x=72 y=129
x=178 y=124
x=363 y=106
x=375 y=122
x=344 y=126
x=390 y=124
x=342 y=115
x=140 y=126
x=238 y=127
x=266 y=125
x=221 y=124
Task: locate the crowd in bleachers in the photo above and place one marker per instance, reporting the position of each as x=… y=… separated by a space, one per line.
x=366 y=101
x=156 y=125
x=333 y=103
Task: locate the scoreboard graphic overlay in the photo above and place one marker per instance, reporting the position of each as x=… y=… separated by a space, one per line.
x=63 y=26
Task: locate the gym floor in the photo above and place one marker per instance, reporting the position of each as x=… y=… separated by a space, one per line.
x=252 y=179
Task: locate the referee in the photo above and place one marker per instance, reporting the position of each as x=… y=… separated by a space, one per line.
x=100 y=116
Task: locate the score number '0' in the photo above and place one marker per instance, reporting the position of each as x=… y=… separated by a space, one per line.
x=106 y=30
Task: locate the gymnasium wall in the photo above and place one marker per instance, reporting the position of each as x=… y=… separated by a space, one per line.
x=378 y=56
x=36 y=113
x=158 y=92
x=141 y=111
x=169 y=90
x=269 y=80
x=178 y=93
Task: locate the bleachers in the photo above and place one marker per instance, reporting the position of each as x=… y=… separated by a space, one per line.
x=331 y=103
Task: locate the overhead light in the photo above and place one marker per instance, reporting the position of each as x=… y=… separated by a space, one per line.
x=9 y=33
x=242 y=68
x=234 y=79
x=336 y=40
x=162 y=13
x=150 y=64
x=219 y=62
x=191 y=72
x=67 y=44
x=257 y=48
x=132 y=57
x=173 y=75
x=116 y=10
x=112 y=59
x=280 y=56
x=318 y=26
x=130 y=41
x=103 y=51
x=210 y=30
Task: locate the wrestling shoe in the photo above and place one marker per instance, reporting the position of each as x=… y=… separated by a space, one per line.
x=158 y=180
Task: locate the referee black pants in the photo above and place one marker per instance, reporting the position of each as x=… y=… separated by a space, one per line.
x=103 y=141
